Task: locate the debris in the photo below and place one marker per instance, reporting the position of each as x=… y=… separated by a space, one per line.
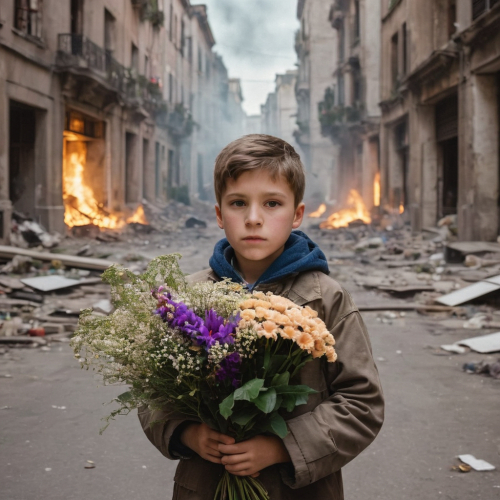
x=457 y=251
x=36 y=332
x=12 y=283
x=462 y=468
x=103 y=305
x=27 y=295
x=454 y=348
x=475 y=463
x=194 y=222
x=19 y=339
x=58 y=407
x=468 y=293
x=50 y=283
x=483 y=344
x=19 y=264
x=67 y=260
x=491 y=369
x=90 y=465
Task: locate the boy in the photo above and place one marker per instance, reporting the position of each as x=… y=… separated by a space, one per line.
x=259 y=184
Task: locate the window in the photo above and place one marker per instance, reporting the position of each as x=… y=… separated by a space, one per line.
x=200 y=60
x=134 y=57
x=452 y=17
x=146 y=66
x=341 y=43
x=357 y=87
x=341 y=90
x=479 y=7
x=170 y=87
x=109 y=31
x=77 y=17
x=357 y=21
x=171 y=22
x=29 y=17
x=394 y=60
x=405 y=49
x=183 y=38
x=175 y=30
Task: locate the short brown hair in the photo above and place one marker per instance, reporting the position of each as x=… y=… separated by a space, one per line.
x=255 y=151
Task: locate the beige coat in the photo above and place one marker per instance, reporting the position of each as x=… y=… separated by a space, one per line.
x=336 y=424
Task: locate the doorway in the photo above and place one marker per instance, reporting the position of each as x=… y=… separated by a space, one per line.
x=22 y=171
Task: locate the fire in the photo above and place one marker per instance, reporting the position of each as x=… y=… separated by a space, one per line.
x=376 y=190
x=401 y=208
x=355 y=210
x=80 y=205
x=321 y=210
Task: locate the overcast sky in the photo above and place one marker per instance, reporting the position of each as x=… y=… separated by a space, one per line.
x=256 y=40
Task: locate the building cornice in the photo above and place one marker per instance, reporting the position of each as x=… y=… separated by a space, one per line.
x=432 y=68
x=483 y=28
x=200 y=11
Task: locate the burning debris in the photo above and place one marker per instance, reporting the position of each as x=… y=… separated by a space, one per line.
x=355 y=210
x=83 y=203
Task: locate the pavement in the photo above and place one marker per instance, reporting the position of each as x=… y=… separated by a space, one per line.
x=51 y=410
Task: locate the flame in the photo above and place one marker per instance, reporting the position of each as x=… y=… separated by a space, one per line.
x=376 y=190
x=321 y=210
x=80 y=205
x=401 y=208
x=355 y=210
x=138 y=216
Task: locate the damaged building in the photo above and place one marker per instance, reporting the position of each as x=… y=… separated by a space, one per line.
x=104 y=104
x=440 y=100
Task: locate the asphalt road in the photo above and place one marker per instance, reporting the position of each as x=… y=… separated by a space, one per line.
x=434 y=412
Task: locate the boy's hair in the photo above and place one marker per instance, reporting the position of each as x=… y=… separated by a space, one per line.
x=255 y=151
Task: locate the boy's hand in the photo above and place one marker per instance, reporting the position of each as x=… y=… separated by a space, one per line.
x=205 y=441
x=249 y=457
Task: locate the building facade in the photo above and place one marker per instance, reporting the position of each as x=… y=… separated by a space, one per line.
x=350 y=112
x=317 y=62
x=104 y=103
x=279 y=113
x=440 y=103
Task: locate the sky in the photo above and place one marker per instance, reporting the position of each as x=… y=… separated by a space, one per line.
x=256 y=41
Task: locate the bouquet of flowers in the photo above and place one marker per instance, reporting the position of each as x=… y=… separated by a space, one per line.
x=211 y=351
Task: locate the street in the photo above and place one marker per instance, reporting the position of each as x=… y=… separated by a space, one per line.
x=51 y=410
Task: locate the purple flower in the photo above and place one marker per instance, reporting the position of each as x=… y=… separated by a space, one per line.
x=216 y=329
x=230 y=369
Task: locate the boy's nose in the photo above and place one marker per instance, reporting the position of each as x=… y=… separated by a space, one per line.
x=254 y=217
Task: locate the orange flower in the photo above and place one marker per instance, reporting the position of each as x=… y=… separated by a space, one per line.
x=280 y=303
x=247 y=314
x=288 y=332
x=309 y=313
x=305 y=341
x=269 y=330
x=248 y=304
x=262 y=303
x=331 y=355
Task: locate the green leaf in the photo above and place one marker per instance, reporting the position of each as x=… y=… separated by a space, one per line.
x=276 y=363
x=249 y=391
x=280 y=379
x=266 y=401
x=298 y=394
x=278 y=425
x=242 y=417
x=289 y=402
x=125 y=397
x=226 y=407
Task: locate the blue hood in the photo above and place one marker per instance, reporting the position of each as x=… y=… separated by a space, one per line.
x=300 y=254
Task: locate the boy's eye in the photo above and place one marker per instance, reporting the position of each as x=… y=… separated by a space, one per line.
x=273 y=204
x=238 y=203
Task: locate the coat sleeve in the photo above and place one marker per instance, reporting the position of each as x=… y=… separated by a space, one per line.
x=160 y=427
x=322 y=441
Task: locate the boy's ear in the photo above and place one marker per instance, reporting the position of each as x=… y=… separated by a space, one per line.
x=218 y=213
x=299 y=215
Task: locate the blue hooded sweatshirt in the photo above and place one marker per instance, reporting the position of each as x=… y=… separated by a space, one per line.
x=300 y=254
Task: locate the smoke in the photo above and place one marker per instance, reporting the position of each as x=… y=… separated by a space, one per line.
x=256 y=40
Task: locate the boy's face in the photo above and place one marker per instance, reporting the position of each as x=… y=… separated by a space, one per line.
x=258 y=214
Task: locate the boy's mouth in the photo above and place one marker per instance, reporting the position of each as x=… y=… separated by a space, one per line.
x=253 y=238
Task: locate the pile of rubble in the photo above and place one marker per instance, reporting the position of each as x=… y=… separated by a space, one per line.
x=42 y=294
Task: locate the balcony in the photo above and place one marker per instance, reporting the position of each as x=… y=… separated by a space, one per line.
x=86 y=62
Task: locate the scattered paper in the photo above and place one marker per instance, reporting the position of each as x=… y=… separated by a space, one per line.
x=454 y=348
x=475 y=463
x=483 y=344
x=49 y=283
